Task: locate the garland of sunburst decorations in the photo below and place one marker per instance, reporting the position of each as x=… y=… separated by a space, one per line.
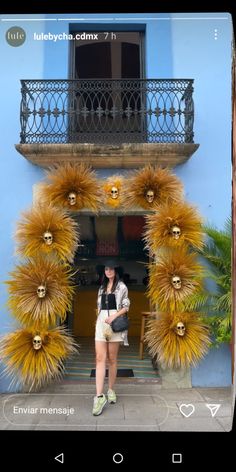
x=177 y=338
x=113 y=191
x=150 y=187
x=72 y=186
x=41 y=287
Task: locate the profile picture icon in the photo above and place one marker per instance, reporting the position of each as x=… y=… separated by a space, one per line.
x=15 y=36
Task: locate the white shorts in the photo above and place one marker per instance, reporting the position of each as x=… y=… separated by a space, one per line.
x=104 y=331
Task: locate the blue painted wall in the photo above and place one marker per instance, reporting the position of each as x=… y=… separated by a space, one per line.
x=16 y=175
x=196 y=54
x=173 y=49
x=215 y=369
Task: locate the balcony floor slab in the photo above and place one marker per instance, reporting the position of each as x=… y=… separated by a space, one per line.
x=100 y=156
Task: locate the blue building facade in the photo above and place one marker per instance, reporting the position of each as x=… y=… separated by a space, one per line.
x=174 y=46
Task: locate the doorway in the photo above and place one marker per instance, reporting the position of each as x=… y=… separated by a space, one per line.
x=107 y=98
x=109 y=237
x=104 y=237
x=116 y=55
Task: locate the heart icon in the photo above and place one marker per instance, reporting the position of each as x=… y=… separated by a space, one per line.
x=187 y=410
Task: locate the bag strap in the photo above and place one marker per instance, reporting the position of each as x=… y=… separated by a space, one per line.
x=107 y=304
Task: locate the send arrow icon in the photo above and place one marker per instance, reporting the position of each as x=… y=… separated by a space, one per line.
x=60 y=458
x=213 y=407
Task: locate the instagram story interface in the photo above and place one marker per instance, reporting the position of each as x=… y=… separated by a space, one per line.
x=116 y=194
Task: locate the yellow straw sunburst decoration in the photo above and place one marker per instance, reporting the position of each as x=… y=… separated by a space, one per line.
x=40 y=290
x=72 y=186
x=48 y=230
x=174 y=225
x=113 y=188
x=174 y=277
x=177 y=341
x=150 y=187
x=34 y=358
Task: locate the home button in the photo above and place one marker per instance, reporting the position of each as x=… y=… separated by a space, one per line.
x=118 y=458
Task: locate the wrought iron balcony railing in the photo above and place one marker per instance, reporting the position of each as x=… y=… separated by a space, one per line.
x=107 y=111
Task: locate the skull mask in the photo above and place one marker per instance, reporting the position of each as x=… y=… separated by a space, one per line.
x=48 y=238
x=180 y=329
x=150 y=196
x=72 y=198
x=176 y=282
x=114 y=193
x=37 y=342
x=176 y=232
x=41 y=291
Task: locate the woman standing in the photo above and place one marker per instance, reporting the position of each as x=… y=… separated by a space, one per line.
x=112 y=302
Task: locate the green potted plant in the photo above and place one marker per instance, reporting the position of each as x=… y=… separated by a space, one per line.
x=217 y=303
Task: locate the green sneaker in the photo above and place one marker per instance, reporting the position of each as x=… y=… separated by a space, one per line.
x=111 y=395
x=98 y=404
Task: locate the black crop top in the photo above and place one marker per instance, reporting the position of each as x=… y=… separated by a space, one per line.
x=108 y=301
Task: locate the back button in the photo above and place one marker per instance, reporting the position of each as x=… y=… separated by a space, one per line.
x=60 y=458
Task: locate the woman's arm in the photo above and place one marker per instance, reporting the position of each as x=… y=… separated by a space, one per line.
x=120 y=312
x=124 y=299
x=99 y=300
x=112 y=317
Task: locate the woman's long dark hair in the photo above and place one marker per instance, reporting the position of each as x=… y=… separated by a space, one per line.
x=105 y=281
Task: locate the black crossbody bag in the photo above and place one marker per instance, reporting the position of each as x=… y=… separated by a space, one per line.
x=121 y=323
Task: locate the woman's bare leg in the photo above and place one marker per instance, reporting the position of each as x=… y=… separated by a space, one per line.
x=101 y=355
x=113 y=349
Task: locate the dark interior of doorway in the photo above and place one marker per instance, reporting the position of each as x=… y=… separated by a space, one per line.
x=94 y=61
x=126 y=243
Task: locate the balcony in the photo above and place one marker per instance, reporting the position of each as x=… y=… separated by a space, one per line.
x=107 y=123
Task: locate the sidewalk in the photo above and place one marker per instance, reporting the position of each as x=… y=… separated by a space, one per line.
x=144 y=407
